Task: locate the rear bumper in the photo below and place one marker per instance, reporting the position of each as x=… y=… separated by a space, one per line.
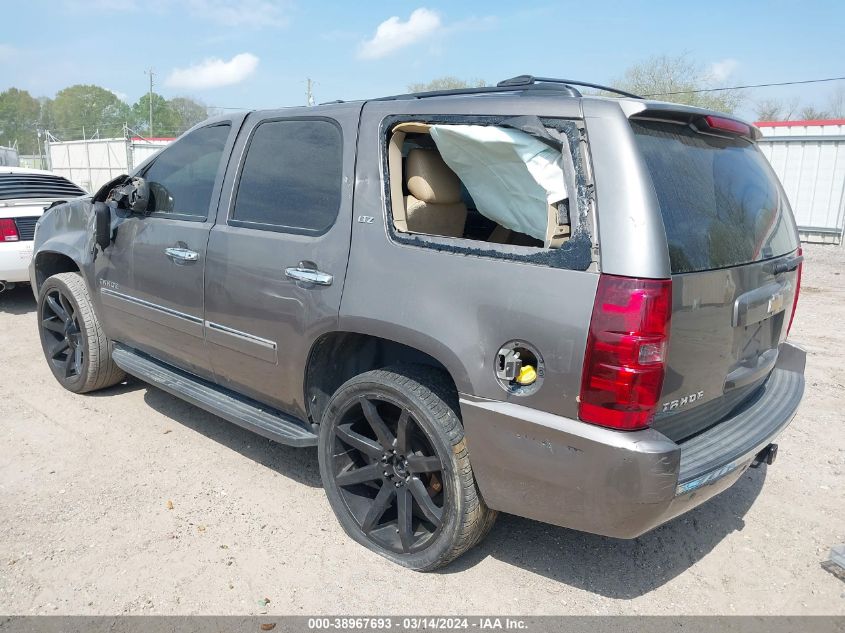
x=14 y=261
x=619 y=484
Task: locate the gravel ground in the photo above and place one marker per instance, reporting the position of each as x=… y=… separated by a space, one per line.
x=130 y=501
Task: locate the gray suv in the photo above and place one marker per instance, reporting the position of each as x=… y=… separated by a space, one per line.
x=517 y=298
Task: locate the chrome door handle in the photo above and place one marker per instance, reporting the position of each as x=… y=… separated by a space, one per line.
x=309 y=275
x=181 y=254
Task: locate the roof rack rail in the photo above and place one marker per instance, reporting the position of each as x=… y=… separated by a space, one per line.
x=530 y=80
x=569 y=90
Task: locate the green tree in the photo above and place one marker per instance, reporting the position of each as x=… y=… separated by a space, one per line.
x=446 y=83
x=189 y=110
x=46 y=120
x=90 y=107
x=676 y=79
x=166 y=120
x=19 y=114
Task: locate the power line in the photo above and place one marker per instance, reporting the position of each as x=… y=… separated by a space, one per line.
x=781 y=83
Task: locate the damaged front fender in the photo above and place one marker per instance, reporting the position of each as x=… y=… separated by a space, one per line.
x=68 y=230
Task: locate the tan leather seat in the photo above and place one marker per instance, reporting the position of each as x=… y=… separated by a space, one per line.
x=434 y=205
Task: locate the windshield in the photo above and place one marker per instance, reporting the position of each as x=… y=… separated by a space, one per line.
x=721 y=203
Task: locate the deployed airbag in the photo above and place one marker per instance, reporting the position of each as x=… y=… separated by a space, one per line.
x=512 y=176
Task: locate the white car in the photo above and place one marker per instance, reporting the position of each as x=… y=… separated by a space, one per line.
x=24 y=193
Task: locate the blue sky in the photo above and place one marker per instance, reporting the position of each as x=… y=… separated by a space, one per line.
x=257 y=53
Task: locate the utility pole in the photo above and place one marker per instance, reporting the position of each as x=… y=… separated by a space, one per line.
x=309 y=92
x=40 y=155
x=151 y=74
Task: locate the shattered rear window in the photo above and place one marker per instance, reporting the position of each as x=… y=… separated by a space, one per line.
x=517 y=200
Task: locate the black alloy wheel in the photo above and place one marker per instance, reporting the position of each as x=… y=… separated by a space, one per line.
x=62 y=334
x=74 y=342
x=390 y=477
x=396 y=469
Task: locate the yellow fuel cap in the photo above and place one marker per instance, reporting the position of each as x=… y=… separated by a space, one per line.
x=527 y=375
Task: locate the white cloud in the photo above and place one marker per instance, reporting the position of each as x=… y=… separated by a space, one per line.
x=393 y=33
x=721 y=70
x=213 y=72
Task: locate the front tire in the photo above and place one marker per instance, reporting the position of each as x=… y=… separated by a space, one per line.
x=396 y=470
x=75 y=346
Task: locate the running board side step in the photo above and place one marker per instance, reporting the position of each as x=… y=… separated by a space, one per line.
x=230 y=406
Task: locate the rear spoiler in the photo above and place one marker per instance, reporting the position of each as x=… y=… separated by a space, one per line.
x=702 y=120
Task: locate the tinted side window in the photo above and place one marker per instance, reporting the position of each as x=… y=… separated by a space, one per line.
x=182 y=177
x=291 y=178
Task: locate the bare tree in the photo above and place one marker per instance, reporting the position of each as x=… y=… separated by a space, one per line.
x=836 y=103
x=769 y=110
x=446 y=83
x=790 y=108
x=776 y=109
x=811 y=113
x=678 y=79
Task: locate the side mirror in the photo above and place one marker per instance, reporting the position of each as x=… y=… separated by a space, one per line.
x=133 y=195
x=139 y=201
x=102 y=225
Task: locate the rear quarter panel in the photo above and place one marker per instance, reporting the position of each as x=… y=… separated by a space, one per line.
x=630 y=227
x=459 y=308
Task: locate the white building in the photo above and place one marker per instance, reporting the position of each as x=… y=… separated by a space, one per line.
x=92 y=163
x=8 y=156
x=809 y=159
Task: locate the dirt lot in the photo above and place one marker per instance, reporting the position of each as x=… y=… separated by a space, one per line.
x=85 y=524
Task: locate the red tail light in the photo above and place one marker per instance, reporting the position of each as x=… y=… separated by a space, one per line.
x=728 y=125
x=8 y=230
x=626 y=352
x=797 y=291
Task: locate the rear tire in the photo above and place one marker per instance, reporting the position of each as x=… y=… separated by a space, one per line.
x=396 y=470
x=77 y=350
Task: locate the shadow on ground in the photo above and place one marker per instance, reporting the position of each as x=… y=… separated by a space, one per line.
x=18 y=300
x=300 y=464
x=617 y=568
